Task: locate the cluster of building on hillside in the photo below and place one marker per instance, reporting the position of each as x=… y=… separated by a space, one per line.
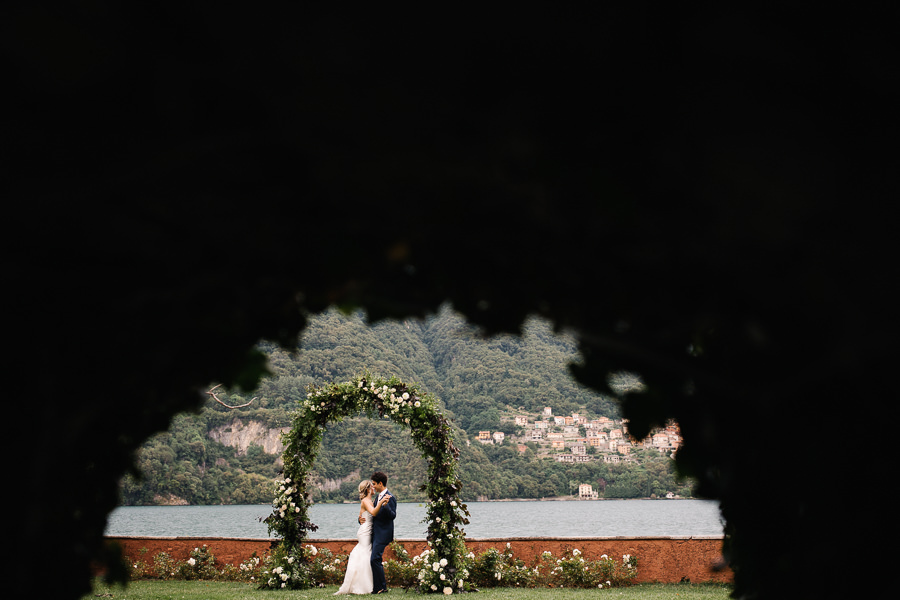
x=570 y=437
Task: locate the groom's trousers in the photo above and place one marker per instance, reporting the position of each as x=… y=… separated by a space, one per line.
x=378 y=580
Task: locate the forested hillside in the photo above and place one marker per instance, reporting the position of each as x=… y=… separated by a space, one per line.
x=480 y=382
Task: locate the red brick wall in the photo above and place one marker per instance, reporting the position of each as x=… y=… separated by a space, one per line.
x=666 y=560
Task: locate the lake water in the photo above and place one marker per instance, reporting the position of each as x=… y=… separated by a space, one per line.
x=553 y=518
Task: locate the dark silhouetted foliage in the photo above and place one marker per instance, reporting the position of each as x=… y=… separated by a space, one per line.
x=697 y=191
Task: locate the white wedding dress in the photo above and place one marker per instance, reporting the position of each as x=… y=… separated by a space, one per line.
x=358 y=579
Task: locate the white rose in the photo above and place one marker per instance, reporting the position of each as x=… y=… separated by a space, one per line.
x=443 y=562
x=448 y=590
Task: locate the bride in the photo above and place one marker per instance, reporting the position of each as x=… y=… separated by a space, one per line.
x=358 y=579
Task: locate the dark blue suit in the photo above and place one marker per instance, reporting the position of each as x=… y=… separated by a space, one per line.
x=382 y=535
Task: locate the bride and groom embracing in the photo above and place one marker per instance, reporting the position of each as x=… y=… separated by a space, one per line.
x=365 y=573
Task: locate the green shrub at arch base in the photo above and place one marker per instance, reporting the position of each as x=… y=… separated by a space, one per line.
x=443 y=561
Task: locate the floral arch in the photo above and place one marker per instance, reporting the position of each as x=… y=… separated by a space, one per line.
x=430 y=431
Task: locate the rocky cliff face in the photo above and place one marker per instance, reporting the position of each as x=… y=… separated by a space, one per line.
x=329 y=485
x=169 y=500
x=240 y=435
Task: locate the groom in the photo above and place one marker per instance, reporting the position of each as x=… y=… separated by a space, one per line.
x=382 y=531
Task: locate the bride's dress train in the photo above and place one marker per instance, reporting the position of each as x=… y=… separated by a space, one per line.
x=358 y=579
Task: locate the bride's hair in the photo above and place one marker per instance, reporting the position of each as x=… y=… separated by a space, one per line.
x=364 y=488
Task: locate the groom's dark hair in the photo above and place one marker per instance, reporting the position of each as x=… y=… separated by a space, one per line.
x=379 y=477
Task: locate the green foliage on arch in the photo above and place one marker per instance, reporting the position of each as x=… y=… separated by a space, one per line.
x=377 y=397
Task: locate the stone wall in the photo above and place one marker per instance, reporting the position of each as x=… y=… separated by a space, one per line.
x=660 y=559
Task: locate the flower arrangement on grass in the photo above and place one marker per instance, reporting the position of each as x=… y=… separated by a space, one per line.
x=426 y=571
x=303 y=569
x=496 y=568
x=499 y=568
x=573 y=570
x=248 y=570
x=431 y=433
x=200 y=564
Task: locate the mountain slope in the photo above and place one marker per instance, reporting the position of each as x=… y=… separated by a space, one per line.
x=480 y=382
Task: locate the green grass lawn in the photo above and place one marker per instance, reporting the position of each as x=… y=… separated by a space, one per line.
x=214 y=590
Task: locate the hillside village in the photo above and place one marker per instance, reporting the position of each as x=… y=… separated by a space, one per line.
x=575 y=438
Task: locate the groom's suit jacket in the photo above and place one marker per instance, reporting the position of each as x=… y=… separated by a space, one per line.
x=383 y=522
